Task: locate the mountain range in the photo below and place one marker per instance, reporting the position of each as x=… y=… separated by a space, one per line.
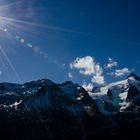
x=44 y=110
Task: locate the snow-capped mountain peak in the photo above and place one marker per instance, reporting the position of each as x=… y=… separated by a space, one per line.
x=113 y=97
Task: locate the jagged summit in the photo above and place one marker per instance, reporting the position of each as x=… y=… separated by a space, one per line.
x=118 y=96
x=43 y=94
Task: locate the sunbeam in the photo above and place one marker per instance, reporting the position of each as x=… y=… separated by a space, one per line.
x=10 y=63
x=43 y=26
x=6 y=6
x=22 y=23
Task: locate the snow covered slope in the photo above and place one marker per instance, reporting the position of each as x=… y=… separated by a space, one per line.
x=118 y=96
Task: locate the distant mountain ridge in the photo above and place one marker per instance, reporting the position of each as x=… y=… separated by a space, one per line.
x=43 y=110
x=118 y=96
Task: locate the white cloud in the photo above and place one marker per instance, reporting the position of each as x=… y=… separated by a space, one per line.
x=87 y=66
x=98 y=79
x=87 y=87
x=70 y=75
x=122 y=72
x=111 y=63
x=98 y=69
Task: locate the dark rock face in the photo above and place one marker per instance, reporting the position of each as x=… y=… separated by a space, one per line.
x=132 y=92
x=43 y=110
x=56 y=124
x=127 y=124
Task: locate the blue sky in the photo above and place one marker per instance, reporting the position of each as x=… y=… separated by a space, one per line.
x=41 y=38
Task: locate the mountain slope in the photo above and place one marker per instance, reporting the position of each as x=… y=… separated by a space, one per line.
x=118 y=96
x=46 y=110
x=43 y=110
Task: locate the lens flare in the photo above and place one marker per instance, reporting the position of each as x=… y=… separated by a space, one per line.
x=15 y=23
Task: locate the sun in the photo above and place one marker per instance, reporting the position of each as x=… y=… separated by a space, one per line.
x=16 y=25
x=11 y=27
x=5 y=13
